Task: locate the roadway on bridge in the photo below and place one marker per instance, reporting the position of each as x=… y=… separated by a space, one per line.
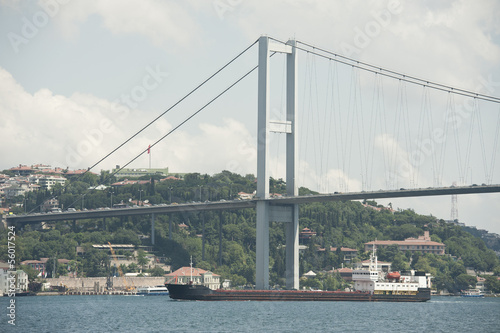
x=242 y=204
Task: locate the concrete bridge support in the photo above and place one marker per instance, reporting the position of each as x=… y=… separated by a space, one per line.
x=279 y=213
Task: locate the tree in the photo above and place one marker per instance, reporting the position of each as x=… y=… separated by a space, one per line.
x=388 y=253
x=95 y=262
x=464 y=281
x=313 y=283
x=399 y=264
x=142 y=260
x=32 y=273
x=493 y=284
x=157 y=271
x=132 y=267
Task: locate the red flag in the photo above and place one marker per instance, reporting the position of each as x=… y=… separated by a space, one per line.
x=149 y=149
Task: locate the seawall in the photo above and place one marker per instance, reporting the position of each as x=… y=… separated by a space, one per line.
x=98 y=284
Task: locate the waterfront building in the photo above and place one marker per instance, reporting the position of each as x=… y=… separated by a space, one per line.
x=41 y=265
x=187 y=274
x=4 y=274
x=37 y=265
x=21 y=279
x=422 y=244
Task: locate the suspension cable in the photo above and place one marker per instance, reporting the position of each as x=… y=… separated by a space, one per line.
x=392 y=74
x=163 y=113
x=182 y=122
x=405 y=77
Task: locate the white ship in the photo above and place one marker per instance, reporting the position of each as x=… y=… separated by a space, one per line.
x=393 y=283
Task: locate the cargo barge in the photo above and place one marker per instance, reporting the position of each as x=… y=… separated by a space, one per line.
x=370 y=286
x=202 y=293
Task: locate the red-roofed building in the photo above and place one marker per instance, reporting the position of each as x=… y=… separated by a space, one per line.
x=55 y=171
x=349 y=254
x=183 y=227
x=245 y=196
x=78 y=172
x=481 y=283
x=422 y=244
x=22 y=170
x=306 y=234
x=185 y=275
x=169 y=178
x=41 y=265
x=36 y=264
x=378 y=209
x=345 y=273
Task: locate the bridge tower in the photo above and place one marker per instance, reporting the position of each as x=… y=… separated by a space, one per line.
x=266 y=212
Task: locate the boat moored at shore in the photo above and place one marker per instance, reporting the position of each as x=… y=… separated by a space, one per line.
x=153 y=291
x=472 y=293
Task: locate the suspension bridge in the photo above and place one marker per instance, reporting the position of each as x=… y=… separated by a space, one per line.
x=395 y=142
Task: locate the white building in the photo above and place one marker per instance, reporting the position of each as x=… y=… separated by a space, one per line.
x=21 y=279
x=4 y=274
x=48 y=182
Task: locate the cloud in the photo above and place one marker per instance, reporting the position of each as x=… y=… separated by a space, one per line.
x=52 y=128
x=228 y=146
x=76 y=132
x=167 y=21
x=456 y=38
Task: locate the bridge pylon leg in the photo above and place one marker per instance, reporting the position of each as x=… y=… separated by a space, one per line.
x=292 y=250
x=262 y=250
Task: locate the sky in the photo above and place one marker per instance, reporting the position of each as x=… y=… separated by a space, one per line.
x=77 y=78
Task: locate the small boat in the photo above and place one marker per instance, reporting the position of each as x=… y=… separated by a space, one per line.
x=472 y=293
x=152 y=291
x=393 y=276
x=18 y=293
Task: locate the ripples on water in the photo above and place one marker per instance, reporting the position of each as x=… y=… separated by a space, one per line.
x=160 y=314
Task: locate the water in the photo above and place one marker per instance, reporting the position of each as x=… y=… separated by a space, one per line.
x=160 y=314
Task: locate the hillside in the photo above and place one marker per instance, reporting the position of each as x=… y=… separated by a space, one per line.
x=337 y=224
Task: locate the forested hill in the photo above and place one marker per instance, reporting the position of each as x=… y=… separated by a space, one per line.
x=337 y=224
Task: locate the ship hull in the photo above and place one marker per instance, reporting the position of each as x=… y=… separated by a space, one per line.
x=202 y=293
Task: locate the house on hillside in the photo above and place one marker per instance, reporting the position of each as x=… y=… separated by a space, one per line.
x=345 y=273
x=422 y=244
x=305 y=235
x=348 y=253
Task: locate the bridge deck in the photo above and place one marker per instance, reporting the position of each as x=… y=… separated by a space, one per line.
x=242 y=204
